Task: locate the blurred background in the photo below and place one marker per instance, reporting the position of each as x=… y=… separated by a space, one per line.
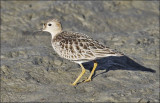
x=32 y=71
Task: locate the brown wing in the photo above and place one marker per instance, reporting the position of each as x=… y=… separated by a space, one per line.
x=76 y=46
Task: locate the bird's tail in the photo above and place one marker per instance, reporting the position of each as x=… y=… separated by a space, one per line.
x=104 y=53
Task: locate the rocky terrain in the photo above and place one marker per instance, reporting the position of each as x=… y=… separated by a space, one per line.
x=32 y=72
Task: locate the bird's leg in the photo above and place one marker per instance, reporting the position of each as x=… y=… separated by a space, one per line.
x=90 y=76
x=83 y=71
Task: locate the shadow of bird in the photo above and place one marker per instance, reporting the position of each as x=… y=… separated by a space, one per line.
x=116 y=63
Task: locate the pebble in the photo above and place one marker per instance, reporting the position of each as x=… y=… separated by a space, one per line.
x=58 y=62
x=4 y=68
x=3 y=57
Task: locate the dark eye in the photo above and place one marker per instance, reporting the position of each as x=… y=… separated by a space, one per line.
x=49 y=24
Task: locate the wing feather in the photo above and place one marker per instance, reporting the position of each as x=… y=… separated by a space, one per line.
x=78 y=46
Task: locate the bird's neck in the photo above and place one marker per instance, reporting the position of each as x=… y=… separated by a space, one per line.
x=55 y=32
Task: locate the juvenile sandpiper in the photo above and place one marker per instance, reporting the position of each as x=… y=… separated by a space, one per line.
x=77 y=47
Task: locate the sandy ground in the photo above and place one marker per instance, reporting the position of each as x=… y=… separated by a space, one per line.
x=32 y=72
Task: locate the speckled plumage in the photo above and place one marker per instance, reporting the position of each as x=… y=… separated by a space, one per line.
x=77 y=47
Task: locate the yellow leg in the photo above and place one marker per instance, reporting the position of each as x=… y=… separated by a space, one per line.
x=83 y=71
x=90 y=76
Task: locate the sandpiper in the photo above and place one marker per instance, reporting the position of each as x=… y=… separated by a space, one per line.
x=76 y=47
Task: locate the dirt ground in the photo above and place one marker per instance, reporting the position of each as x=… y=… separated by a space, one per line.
x=31 y=71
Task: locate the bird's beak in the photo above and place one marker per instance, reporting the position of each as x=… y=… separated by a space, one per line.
x=44 y=27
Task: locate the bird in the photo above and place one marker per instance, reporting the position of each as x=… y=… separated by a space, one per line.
x=76 y=47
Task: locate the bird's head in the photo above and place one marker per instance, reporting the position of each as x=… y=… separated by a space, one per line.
x=52 y=26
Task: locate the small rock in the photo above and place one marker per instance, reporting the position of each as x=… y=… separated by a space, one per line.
x=2 y=57
x=4 y=68
x=14 y=54
x=133 y=91
x=58 y=62
x=122 y=95
x=23 y=53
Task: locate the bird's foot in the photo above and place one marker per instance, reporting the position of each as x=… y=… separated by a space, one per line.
x=73 y=84
x=87 y=80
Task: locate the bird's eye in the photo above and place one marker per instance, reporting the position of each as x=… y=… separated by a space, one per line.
x=49 y=24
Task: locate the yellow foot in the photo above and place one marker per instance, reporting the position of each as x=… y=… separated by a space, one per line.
x=73 y=84
x=87 y=80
